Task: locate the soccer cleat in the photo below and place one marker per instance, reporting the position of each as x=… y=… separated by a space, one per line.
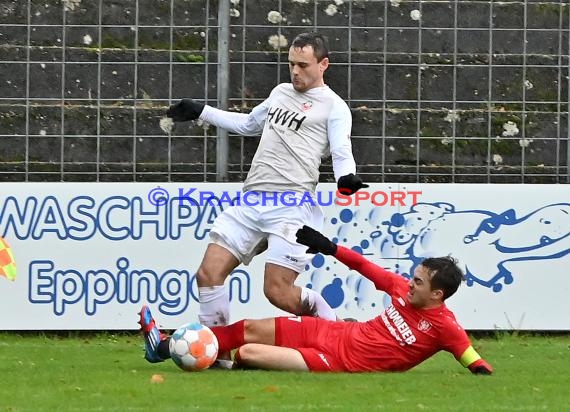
x=222 y=364
x=152 y=336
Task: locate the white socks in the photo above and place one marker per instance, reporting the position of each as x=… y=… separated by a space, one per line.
x=214 y=305
x=317 y=305
x=215 y=311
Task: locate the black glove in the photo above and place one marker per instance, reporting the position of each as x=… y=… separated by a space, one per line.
x=186 y=109
x=316 y=241
x=350 y=184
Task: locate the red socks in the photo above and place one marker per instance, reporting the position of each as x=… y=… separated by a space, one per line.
x=230 y=336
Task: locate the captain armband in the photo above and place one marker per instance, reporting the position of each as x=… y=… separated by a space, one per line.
x=469 y=356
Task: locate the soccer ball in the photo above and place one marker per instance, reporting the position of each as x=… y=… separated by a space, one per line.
x=193 y=347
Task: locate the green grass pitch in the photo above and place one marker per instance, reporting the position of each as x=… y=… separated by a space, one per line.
x=107 y=372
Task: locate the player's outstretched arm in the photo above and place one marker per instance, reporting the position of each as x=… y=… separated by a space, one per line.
x=473 y=361
x=241 y=123
x=318 y=243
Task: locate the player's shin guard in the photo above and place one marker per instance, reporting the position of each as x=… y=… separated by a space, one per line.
x=315 y=305
x=215 y=311
x=214 y=305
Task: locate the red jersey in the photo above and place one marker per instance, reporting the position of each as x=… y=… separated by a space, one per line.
x=397 y=340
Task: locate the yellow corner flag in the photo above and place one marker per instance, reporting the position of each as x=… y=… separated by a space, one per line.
x=7 y=263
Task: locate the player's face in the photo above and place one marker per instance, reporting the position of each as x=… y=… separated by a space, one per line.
x=420 y=295
x=306 y=71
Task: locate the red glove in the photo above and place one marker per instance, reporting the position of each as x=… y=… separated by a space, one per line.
x=480 y=367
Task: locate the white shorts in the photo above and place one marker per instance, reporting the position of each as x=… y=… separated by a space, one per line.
x=247 y=231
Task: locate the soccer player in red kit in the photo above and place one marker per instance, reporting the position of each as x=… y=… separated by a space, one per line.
x=413 y=328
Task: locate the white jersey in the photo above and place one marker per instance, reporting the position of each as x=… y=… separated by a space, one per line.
x=299 y=129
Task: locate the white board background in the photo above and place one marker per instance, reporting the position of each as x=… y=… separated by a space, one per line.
x=78 y=245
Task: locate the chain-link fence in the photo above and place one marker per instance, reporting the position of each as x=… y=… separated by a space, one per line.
x=441 y=91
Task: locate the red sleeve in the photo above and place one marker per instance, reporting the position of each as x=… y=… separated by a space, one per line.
x=454 y=337
x=382 y=278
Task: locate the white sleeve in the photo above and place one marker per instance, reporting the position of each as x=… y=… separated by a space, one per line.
x=339 y=128
x=241 y=123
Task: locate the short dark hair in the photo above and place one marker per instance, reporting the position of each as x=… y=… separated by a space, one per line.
x=315 y=40
x=444 y=273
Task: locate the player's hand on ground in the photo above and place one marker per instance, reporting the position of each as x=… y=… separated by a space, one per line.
x=481 y=367
x=350 y=184
x=316 y=241
x=185 y=110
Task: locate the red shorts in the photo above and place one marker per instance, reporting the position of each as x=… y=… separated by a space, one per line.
x=316 y=339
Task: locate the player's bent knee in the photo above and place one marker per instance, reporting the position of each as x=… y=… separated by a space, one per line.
x=279 y=288
x=216 y=265
x=204 y=278
x=245 y=354
x=259 y=331
x=211 y=276
x=249 y=330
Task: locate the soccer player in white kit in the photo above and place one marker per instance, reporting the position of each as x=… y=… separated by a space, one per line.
x=300 y=123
